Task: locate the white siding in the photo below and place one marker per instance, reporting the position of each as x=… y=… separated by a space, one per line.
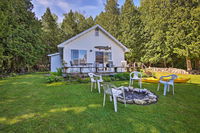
x=88 y=41
x=55 y=62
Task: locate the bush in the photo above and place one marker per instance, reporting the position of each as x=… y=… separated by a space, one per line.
x=58 y=73
x=68 y=77
x=106 y=78
x=53 y=78
x=83 y=80
x=13 y=74
x=122 y=76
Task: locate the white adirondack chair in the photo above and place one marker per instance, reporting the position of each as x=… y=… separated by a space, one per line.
x=95 y=79
x=135 y=76
x=114 y=93
x=167 y=83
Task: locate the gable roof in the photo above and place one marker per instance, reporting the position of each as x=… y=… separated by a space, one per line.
x=90 y=29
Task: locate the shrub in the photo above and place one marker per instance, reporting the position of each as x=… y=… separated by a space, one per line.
x=83 y=80
x=58 y=78
x=68 y=77
x=53 y=78
x=13 y=74
x=122 y=76
x=50 y=79
x=106 y=79
x=58 y=73
x=53 y=73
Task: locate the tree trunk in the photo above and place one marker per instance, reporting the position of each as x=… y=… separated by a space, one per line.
x=197 y=64
x=164 y=63
x=189 y=64
x=172 y=64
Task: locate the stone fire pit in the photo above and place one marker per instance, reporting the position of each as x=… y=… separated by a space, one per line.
x=138 y=96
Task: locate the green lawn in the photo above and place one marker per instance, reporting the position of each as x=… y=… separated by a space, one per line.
x=28 y=104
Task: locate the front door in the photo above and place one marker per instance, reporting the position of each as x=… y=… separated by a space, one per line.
x=99 y=57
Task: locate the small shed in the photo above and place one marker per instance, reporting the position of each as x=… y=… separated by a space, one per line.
x=55 y=61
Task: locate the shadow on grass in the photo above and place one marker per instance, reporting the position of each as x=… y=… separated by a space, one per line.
x=76 y=110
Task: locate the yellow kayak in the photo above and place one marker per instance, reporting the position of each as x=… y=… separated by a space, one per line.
x=154 y=80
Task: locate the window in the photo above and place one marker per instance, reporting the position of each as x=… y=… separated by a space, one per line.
x=82 y=56
x=108 y=56
x=78 y=57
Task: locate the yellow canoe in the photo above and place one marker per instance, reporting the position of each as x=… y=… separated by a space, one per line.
x=154 y=80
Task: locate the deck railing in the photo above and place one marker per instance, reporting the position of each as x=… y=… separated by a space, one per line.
x=86 y=69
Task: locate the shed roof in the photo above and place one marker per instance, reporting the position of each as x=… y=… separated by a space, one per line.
x=54 y=54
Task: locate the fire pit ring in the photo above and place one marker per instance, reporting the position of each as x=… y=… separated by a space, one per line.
x=138 y=96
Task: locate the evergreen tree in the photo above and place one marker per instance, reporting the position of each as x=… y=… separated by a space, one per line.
x=52 y=34
x=90 y=21
x=110 y=18
x=131 y=30
x=83 y=23
x=20 y=36
x=185 y=32
x=155 y=16
x=69 y=25
x=75 y=22
x=112 y=7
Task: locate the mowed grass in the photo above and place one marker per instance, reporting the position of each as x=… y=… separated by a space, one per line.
x=29 y=104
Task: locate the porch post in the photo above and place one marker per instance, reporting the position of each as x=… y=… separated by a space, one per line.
x=81 y=70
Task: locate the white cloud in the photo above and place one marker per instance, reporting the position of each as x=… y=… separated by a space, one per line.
x=59 y=7
x=63 y=5
x=45 y=3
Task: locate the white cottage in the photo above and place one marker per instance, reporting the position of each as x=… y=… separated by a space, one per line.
x=89 y=50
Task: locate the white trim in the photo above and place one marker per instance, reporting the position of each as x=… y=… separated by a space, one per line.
x=53 y=54
x=88 y=30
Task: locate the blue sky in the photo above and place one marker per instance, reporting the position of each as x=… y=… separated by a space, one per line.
x=59 y=7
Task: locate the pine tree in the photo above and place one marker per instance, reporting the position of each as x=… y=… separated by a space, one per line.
x=69 y=25
x=110 y=18
x=131 y=30
x=90 y=21
x=155 y=16
x=21 y=40
x=185 y=32
x=75 y=22
x=112 y=7
x=83 y=23
x=52 y=34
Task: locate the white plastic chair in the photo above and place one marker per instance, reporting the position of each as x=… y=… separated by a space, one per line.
x=95 y=79
x=135 y=76
x=167 y=83
x=114 y=93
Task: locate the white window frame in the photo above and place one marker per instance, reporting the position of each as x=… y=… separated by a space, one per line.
x=79 y=50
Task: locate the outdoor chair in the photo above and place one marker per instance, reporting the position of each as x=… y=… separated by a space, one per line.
x=167 y=83
x=109 y=66
x=114 y=93
x=135 y=76
x=95 y=79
